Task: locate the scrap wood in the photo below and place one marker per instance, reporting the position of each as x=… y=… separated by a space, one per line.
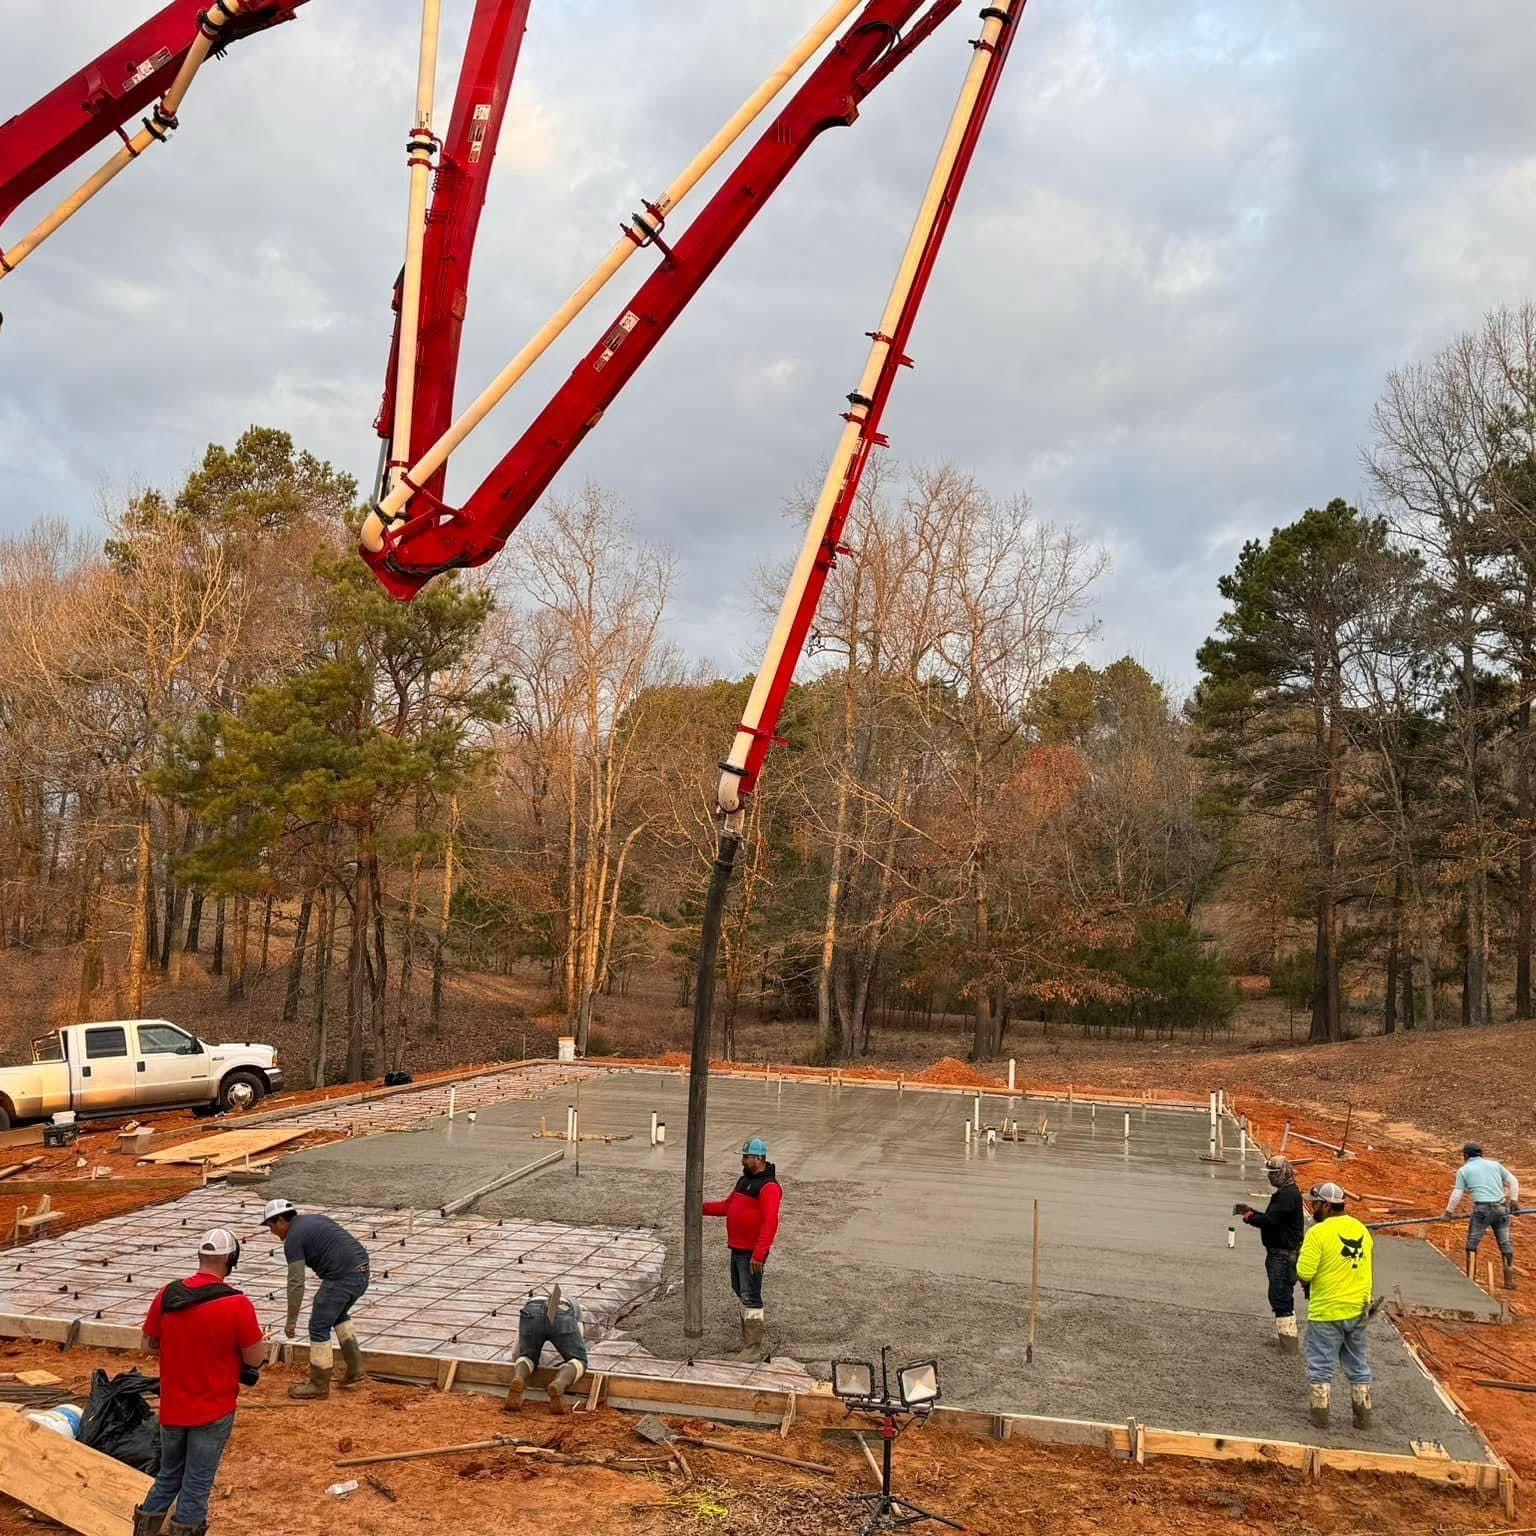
x=1505 y=1386
x=225 y=1147
x=66 y=1481
x=380 y=1486
x=743 y=1450
x=16 y=1168
x=509 y=1443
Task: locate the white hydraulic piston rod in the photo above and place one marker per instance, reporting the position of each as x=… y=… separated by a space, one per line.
x=419 y=147
x=392 y=506
x=157 y=129
x=848 y=444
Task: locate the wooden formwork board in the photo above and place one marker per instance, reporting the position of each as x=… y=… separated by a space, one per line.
x=66 y=1481
x=768 y=1407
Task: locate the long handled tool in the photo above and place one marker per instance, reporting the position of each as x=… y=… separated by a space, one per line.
x=1434 y=1221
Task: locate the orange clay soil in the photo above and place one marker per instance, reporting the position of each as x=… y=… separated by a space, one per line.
x=282 y=1459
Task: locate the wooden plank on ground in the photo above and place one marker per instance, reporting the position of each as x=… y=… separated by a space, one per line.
x=67 y=1481
x=225 y=1147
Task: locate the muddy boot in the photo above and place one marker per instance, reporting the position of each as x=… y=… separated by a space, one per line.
x=1320 y=1394
x=149 y=1522
x=561 y=1383
x=1360 y=1406
x=522 y=1369
x=1509 y=1274
x=356 y=1372
x=175 y=1529
x=1286 y=1337
x=317 y=1387
x=752 y=1326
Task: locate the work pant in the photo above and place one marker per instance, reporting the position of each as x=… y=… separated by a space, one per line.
x=747 y=1286
x=333 y=1304
x=535 y=1330
x=1280 y=1267
x=1492 y=1214
x=1331 y=1345
x=189 y=1462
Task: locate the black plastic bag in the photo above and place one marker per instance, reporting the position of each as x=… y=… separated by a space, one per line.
x=119 y=1423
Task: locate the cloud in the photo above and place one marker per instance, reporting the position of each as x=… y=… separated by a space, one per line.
x=1195 y=238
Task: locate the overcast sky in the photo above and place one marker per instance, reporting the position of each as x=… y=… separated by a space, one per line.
x=1195 y=238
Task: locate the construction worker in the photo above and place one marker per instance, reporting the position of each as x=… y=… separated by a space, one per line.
x=751 y=1214
x=1280 y=1225
x=341 y=1262
x=1495 y=1194
x=548 y=1319
x=1335 y=1271
x=208 y=1340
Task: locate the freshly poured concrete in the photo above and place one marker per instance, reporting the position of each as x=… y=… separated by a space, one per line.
x=894 y=1232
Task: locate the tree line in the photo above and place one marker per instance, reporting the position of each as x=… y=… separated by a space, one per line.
x=1364 y=709
x=214 y=723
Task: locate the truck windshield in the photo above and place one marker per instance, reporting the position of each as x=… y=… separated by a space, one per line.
x=48 y=1048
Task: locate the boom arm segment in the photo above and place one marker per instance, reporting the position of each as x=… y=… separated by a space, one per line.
x=861 y=436
x=458 y=198
x=442 y=538
x=38 y=144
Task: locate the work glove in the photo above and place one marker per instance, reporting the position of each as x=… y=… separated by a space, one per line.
x=1245 y=1211
x=250 y=1375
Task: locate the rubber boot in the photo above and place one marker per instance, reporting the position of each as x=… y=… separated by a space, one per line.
x=356 y=1372
x=522 y=1369
x=752 y=1332
x=1320 y=1394
x=318 y=1386
x=1286 y=1337
x=1360 y=1406
x=174 y=1529
x=149 y=1522
x=561 y=1383
x=1509 y=1274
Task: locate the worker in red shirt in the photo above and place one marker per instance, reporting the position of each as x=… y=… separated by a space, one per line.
x=208 y=1340
x=751 y=1222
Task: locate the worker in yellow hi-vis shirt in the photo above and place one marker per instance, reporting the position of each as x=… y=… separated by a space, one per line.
x=1335 y=1271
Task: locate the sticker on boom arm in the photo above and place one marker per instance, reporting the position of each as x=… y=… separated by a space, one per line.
x=615 y=339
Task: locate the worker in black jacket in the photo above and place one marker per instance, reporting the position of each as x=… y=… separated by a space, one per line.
x=1281 y=1225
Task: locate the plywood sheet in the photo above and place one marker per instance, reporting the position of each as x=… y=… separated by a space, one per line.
x=226 y=1147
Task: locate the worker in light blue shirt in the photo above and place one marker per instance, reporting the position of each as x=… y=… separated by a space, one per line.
x=1495 y=1192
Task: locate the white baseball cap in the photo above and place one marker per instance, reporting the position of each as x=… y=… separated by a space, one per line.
x=1329 y=1192
x=220 y=1243
x=276 y=1210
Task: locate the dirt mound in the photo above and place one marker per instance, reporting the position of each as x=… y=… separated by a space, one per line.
x=950 y=1072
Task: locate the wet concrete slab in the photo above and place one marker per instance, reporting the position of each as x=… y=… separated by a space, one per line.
x=895 y=1229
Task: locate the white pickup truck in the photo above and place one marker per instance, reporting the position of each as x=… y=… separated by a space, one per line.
x=127 y=1065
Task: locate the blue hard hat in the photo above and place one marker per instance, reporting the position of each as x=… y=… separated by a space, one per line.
x=757 y=1147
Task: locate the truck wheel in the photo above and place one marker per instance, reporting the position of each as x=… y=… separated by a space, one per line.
x=241 y=1090
x=5 y=1117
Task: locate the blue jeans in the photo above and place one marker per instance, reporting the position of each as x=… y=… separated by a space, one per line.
x=747 y=1286
x=333 y=1304
x=534 y=1331
x=1330 y=1345
x=1280 y=1266
x=189 y=1462
x=1486 y=1214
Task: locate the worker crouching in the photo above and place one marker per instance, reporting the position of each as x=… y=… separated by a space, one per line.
x=318 y=1243
x=550 y=1319
x=1335 y=1269
x=1280 y=1226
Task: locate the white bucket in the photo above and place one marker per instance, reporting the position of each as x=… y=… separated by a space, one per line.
x=567 y=1047
x=63 y=1420
x=64 y=1117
